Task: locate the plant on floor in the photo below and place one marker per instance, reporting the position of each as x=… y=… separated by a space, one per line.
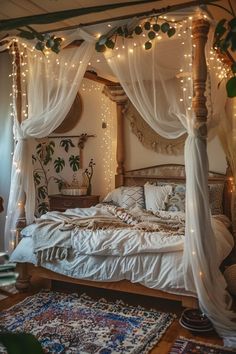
x=20 y=343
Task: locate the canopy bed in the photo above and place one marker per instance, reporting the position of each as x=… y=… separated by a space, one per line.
x=162 y=92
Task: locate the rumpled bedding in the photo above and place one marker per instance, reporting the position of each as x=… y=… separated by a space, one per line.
x=110 y=231
x=105 y=230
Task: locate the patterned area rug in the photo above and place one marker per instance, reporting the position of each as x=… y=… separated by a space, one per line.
x=67 y=323
x=187 y=346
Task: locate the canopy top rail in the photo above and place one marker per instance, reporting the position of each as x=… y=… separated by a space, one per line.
x=53 y=17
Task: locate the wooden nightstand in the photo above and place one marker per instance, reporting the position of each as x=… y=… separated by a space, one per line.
x=61 y=202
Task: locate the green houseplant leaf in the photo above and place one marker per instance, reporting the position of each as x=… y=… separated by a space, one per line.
x=231 y=87
x=20 y=343
x=74 y=161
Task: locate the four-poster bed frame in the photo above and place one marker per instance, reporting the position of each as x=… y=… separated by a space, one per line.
x=168 y=173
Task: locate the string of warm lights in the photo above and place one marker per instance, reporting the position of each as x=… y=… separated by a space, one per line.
x=107 y=124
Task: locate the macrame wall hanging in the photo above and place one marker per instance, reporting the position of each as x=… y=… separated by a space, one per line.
x=149 y=138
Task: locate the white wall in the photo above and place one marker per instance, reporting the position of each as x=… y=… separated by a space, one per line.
x=6 y=143
x=97 y=108
x=138 y=156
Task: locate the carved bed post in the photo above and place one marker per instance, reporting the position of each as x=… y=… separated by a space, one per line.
x=117 y=94
x=200 y=29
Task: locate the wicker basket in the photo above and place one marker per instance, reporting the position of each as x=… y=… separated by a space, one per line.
x=230 y=277
x=74 y=191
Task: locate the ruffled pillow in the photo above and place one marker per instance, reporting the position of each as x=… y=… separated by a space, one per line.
x=176 y=200
x=156 y=196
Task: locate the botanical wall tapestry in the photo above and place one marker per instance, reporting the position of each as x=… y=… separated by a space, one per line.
x=56 y=162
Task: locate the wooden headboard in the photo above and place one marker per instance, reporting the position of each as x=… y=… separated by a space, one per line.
x=174 y=173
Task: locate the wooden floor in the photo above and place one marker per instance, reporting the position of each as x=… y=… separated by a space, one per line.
x=163 y=347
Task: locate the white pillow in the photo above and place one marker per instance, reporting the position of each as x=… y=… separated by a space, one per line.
x=114 y=196
x=156 y=196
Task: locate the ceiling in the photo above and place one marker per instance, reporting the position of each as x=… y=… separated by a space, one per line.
x=14 y=8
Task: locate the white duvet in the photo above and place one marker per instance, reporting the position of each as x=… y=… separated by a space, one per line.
x=153 y=259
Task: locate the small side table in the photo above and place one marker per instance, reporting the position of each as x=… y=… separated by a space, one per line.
x=60 y=202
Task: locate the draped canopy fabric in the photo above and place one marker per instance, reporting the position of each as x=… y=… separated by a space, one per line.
x=159 y=84
x=49 y=86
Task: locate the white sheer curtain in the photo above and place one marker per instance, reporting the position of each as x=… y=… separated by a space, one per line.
x=159 y=84
x=49 y=84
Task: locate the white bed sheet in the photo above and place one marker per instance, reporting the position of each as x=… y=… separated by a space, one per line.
x=157 y=270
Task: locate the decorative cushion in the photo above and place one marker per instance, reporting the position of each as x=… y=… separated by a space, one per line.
x=131 y=197
x=176 y=200
x=216 y=198
x=155 y=196
x=114 y=197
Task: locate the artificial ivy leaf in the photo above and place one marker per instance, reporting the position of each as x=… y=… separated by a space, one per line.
x=220 y=29
x=39 y=36
x=102 y=40
x=151 y=35
x=27 y=34
x=147 y=25
x=39 y=46
x=126 y=32
x=156 y=27
x=171 y=32
x=110 y=44
x=120 y=31
x=138 y=30
x=165 y=27
x=231 y=87
x=100 y=47
x=57 y=39
x=233 y=67
x=47 y=36
x=50 y=43
x=56 y=48
x=223 y=45
x=232 y=24
x=233 y=42
x=148 y=45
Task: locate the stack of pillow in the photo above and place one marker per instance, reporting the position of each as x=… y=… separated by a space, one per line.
x=162 y=196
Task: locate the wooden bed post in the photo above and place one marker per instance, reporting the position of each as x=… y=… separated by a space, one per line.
x=200 y=29
x=117 y=94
